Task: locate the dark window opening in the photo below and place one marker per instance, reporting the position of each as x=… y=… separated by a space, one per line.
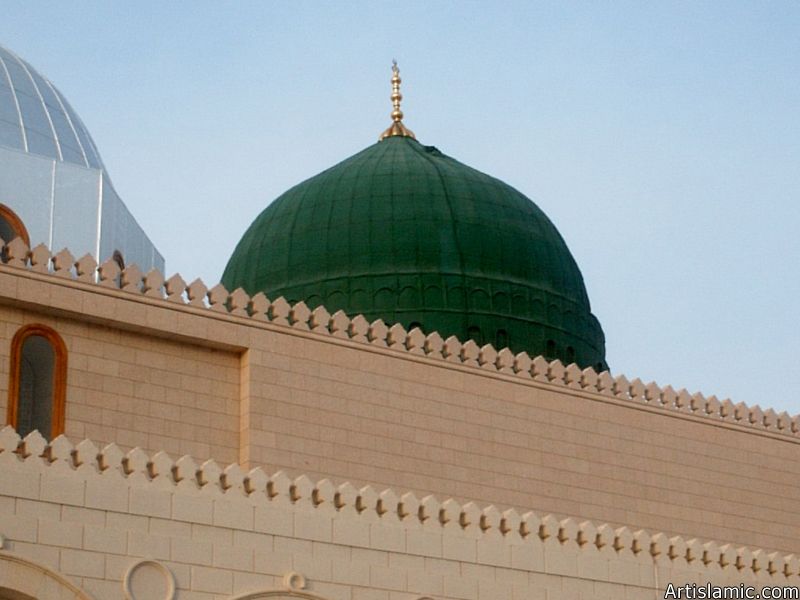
x=474 y=333
x=35 y=401
x=501 y=339
x=38 y=381
x=117 y=258
x=570 y=354
x=11 y=227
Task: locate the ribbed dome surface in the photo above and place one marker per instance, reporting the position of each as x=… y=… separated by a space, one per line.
x=404 y=233
x=35 y=117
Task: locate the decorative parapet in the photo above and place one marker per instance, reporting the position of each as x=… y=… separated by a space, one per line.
x=259 y=308
x=107 y=479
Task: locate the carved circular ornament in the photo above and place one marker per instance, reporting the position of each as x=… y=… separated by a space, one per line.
x=294 y=581
x=148 y=580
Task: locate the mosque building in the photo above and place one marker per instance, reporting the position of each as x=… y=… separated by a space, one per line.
x=397 y=392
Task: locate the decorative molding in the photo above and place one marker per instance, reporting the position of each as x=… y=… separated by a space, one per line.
x=294 y=581
x=169 y=579
x=159 y=473
x=276 y=594
x=31 y=574
x=258 y=309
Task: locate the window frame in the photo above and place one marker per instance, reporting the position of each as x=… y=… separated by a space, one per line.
x=16 y=224
x=58 y=415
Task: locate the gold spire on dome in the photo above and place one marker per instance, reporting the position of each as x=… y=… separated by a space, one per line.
x=397 y=127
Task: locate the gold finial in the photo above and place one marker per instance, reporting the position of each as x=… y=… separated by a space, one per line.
x=397 y=127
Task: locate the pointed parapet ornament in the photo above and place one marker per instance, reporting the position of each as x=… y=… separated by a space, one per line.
x=397 y=128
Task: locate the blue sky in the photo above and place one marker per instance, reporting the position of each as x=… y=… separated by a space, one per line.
x=662 y=139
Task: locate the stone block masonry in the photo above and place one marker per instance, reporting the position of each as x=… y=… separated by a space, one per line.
x=163 y=365
x=86 y=516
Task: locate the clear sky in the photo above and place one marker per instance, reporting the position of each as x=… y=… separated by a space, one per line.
x=662 y=139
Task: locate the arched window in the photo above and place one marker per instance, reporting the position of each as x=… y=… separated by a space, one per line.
x=11 y=226
x=474 y=333
x=501 y=339
x=38 y=381
x=570 y=355
x=118 y=258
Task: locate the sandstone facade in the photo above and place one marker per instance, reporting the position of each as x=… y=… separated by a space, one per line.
x=628 y=483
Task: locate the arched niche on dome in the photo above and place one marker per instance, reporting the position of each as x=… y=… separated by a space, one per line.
x=433 y=296
x=336 y=300
x=23 y=579
x=479 y=300
x=360 y=298
x=384 y=298
x=500 y=302
x=409 y=297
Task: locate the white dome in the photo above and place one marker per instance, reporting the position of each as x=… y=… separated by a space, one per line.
x=52 y=177
x=36 y=118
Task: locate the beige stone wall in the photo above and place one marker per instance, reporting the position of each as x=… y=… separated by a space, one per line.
x=341 y=398
x=139 y=390
x=342 y=412
x=224 y=534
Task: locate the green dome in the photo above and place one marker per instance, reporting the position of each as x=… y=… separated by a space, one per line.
x=404 y=233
